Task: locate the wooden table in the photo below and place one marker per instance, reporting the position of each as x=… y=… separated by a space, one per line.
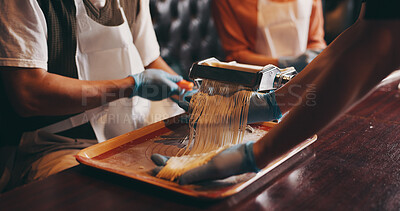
x=355 y=164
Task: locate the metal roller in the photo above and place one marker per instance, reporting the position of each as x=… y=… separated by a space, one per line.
x=258 y=78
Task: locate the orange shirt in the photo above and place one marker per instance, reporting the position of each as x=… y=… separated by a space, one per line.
x=236 y=22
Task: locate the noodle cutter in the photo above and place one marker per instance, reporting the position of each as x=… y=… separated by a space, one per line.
x=257 y=78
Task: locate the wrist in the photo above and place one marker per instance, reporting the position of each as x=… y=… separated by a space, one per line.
x=251 y=161
x=275 y=61
x=130 y=91
x=282 y=62
x=260 y=154
x=285 y=61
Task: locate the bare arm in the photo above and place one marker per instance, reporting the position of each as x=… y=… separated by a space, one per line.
x=159 y=63
x=345 y=72
x=34 y=92
x=290 y=95
x=316 y=29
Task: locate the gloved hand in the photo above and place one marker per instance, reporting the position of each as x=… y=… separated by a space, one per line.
x=155 y=84
x=263 y=107
x=299 y=62
x=184 y=102
x=235 y=160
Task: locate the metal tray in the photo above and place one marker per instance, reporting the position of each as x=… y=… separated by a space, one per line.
x=129 y=155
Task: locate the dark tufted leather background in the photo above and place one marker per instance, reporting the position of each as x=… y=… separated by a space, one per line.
x=186 y=33
x=338 y=16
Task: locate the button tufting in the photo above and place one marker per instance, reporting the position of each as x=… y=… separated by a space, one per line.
x=185 y=32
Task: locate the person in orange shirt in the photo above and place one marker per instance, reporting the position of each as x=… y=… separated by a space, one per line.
x=280 y=32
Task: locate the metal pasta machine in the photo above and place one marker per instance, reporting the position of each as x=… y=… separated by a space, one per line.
x=258 y=78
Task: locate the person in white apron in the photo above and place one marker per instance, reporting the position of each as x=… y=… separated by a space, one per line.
x=280 y=32
x=97 y=46
x=102 y=53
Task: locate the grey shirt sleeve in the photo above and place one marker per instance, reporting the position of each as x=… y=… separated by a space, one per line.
x=23 y=31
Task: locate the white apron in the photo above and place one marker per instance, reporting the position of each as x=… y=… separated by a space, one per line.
x=108 y=52
x=283 y=27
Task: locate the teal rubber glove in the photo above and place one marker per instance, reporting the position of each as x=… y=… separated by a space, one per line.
x=299 y=62
x=155 y=84
x=263 y=107
x=235 y=160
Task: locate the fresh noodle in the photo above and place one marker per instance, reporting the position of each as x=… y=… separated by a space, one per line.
x=218 y=120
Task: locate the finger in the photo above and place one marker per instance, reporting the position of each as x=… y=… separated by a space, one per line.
x=173 y=88
x=159 y=160
x=156 y=170
x=174 y=78
x=188 y=95
x=184 y=105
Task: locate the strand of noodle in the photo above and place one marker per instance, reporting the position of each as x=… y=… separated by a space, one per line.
x=218 y=120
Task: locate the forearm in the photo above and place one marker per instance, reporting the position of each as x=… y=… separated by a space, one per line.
x=159 y=63
x=346 y=71
x=290 y=94
x=35 y=92
x=316 y=31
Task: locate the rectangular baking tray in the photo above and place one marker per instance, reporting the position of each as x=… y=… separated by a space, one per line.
x=129 y=155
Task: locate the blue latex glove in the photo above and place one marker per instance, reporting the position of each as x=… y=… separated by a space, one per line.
x=235 y=160
x=154 y=84
x=160 y=161
x=263 y=107
x=299 y=62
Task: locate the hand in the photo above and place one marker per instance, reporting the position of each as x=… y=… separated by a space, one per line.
x=184 y=102
x=263 y=107
x=155 y=84
x=299 y=62
x=235 y=160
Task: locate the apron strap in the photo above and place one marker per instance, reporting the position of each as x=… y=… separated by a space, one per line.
x=82 y=18
x=72 y=122
x=80 y=8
